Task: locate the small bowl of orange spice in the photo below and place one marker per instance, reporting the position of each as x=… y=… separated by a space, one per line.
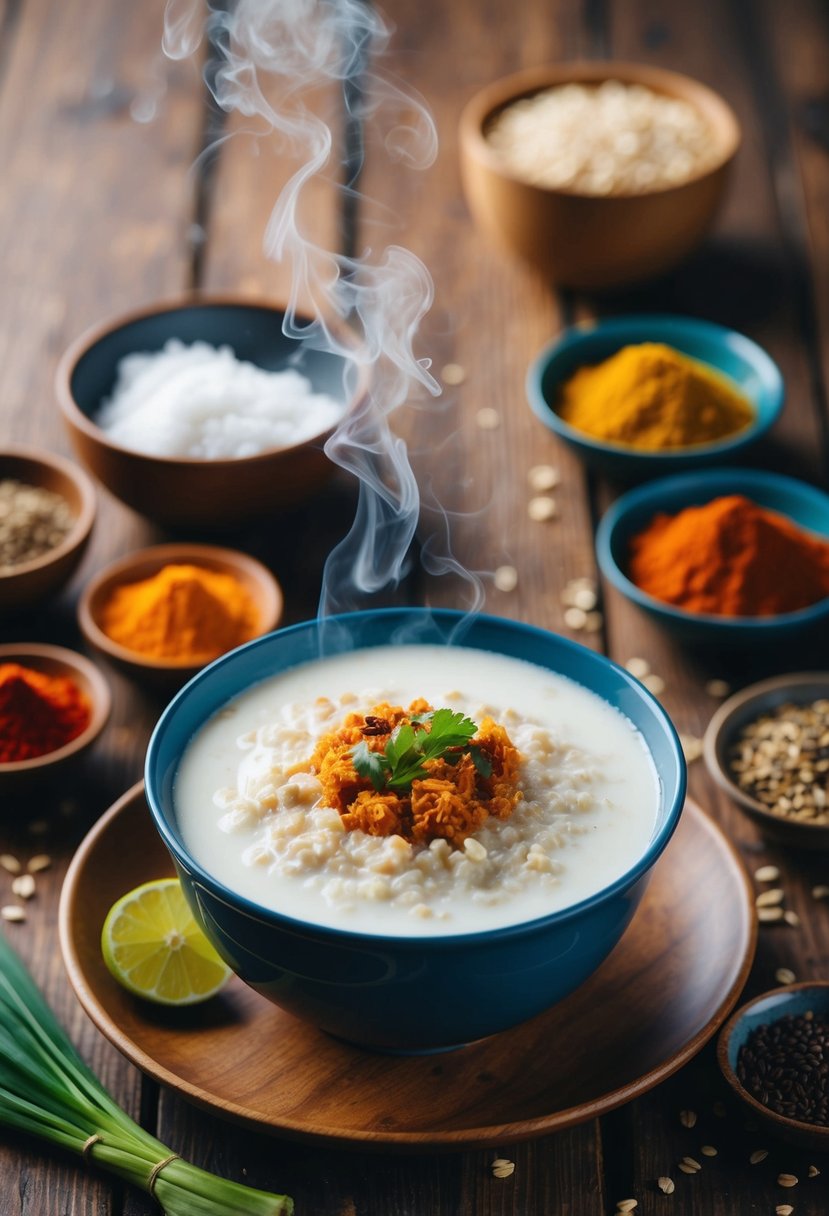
x=728 y=557
x=53 y=705
x=161 y=614
x=639 y=397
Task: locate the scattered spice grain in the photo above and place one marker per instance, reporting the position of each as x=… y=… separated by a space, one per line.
x=767 y=874
x=708 y=1150
x=688 y=1118
x=814 y=1172
x=791 y=918
x=41 y=861
x=654 y=684
x=627 y=1205
x=691 y=747
x=783 y=1209
x=666 y=1185
x=502 y=1167
x=13 y=913
x=758 y=1155
x=718 y=688
x=24 y=886
x=638 y=668
x=785 y=975
x=770 y=898
x=542 y=508
x=820 y=892
x=769 y=916
x=453 y=374
x=575 y=618
x=543 y=477
x=10 y=864
x=488 y=419
x=787 y=1180
x=506 y=578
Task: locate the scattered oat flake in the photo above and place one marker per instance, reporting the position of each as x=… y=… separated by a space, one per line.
x=627 y=1205
x=769 y=916
x=654 y=684
x=639 y=668
x=769 y=899
x=24 y=886
x=542 y=508
x=820 y=892
x=813 y=1171
x=688 y=1118
x=10 y=863
x=786 y=1180
x=791 y=918
x=41 y=861
x=506 y=578
x=768 y=874
x=453 y=373
x=784 y=975
x=13 y=912
x=666 y=1185
x=488 y=419
x=783 y=1209
x=758 y=1155
x=691 y=746
x=717 y=688
x=575 y=618
x=542 y=477
x=708 y=1150
x=502 y=1167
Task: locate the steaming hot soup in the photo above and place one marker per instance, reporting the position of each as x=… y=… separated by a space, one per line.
x=431 y=790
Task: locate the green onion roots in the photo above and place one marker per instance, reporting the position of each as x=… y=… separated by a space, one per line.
x=46 y=1090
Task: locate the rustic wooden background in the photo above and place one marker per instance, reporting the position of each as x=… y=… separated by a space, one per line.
x=100 y=212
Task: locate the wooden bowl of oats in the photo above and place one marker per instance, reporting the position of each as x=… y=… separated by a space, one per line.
x=768 y=748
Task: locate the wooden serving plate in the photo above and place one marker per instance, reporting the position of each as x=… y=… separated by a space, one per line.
x=660 y=996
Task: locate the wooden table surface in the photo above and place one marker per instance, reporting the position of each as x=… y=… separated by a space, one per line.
x=100 y=211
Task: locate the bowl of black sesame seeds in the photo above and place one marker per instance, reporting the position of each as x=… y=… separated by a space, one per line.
x=774 y=1053
x=768 y=748
x=47 y=509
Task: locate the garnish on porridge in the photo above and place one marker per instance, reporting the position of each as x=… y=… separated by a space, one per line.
x=421 y=773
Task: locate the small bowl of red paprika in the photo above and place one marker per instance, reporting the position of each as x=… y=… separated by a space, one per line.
x=728 y=557
x=53 y=705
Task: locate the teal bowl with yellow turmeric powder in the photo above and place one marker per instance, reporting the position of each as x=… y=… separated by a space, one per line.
x=638 y=397
x=728 y=557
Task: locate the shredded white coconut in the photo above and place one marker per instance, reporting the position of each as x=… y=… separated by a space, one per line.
x=200 y=401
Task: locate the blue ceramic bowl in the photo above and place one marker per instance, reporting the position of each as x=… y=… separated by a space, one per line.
x=725 y=350
x=405 y=993
x=792 y=1001
x=802 y=503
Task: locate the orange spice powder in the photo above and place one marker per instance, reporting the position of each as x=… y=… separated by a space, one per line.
x=730 y=557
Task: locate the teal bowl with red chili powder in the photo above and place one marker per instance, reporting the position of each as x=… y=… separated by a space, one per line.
x=802 y=504
x=42 y=735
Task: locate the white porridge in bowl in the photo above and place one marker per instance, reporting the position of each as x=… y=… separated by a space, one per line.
x=561 y=794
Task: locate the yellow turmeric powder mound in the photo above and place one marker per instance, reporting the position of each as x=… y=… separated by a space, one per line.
x=651 y=397
x=183 y=612
x=455 y=793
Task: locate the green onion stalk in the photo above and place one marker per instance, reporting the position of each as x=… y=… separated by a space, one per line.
x=47 y=1090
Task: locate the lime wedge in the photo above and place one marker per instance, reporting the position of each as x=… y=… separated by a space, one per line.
x=153 y=946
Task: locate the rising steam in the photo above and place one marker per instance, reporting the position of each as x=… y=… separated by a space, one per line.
x=273 y=53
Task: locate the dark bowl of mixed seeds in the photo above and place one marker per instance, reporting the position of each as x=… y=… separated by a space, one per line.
x=768 y=747
x=774 y=1053
x=47 y=508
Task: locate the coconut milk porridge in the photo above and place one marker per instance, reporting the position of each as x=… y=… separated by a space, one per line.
x=587 y=809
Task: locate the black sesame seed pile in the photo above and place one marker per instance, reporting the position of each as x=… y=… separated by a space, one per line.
x=785 y=1065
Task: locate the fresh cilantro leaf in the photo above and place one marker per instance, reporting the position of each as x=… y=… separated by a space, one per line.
x=411 y=745
x=372 y=765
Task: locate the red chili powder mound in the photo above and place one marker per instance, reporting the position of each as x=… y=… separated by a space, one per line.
x=38 y=713
x=730 y=558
